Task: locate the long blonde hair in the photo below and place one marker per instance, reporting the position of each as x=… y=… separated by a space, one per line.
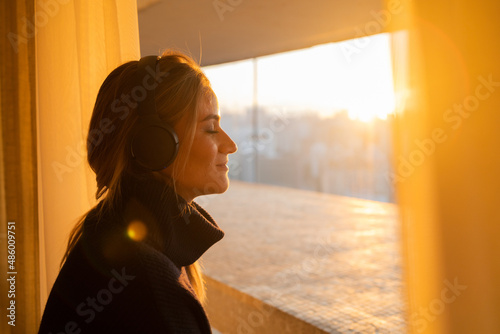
x=180 y=94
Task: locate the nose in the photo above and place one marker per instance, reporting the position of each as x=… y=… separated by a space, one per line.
x=228 y=146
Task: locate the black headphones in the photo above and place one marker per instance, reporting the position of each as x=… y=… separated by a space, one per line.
x=154 y=144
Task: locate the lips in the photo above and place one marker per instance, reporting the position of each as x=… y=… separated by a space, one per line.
x=223 y=165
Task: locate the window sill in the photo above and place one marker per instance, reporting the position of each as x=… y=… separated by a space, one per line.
x=328 y=260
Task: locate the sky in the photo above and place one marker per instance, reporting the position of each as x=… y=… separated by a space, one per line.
x=353 y=75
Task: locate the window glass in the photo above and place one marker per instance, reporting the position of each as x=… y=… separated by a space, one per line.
x=316 y=119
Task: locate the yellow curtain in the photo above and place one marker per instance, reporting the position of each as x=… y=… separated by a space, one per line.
x=447 y=79
x=55 y=55
x=79 y=45
x=18 y=174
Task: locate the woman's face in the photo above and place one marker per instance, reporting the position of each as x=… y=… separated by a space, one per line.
x=206 y=168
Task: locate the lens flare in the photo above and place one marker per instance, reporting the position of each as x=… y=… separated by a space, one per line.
x=137 y=230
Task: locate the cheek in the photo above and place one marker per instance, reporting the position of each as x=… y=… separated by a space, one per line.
x=203 y=154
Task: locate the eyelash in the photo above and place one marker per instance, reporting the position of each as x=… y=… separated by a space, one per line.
x=213 y=132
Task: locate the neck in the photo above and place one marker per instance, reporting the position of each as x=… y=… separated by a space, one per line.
x=179 y=228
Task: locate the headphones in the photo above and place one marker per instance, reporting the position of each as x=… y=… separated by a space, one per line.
x=154 y=144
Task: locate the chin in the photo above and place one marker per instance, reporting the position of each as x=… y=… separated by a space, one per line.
x=218 y=187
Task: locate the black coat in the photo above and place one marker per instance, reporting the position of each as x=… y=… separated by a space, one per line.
x=126 y=273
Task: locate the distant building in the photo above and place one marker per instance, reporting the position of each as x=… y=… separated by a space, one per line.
x=304 y=150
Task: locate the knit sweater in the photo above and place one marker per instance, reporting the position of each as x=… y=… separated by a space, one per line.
x=127 y=273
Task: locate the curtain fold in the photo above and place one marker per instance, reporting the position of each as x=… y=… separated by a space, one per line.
x=18 y=172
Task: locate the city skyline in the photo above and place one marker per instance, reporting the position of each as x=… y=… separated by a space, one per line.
x=334 y=155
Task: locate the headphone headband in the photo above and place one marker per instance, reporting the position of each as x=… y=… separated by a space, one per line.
x=154 y=144
x=146 y=70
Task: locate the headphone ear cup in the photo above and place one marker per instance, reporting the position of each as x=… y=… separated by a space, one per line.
x=154 y=145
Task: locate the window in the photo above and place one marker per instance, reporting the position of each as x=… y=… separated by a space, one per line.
x=316 y=119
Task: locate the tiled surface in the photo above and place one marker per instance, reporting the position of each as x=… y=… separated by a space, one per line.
x=332 y=261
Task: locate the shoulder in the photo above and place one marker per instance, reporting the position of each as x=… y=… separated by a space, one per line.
x=129 y=287
x=94 y=295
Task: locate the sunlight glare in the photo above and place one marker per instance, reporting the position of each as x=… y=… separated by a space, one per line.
x=319 y=78
x=137 y=230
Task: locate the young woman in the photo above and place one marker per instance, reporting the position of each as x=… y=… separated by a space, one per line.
x=155 y=143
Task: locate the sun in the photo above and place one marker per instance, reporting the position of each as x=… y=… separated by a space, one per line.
x=371 y=109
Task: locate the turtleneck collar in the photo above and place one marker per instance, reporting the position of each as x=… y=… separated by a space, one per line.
x=182 y=231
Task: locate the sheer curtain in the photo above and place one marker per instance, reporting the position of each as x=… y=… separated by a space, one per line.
x=81 y=43
x=18 y=170
x=53 y=61
x=447 y=78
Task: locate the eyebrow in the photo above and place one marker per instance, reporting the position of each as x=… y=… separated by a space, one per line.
x=211 y=116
